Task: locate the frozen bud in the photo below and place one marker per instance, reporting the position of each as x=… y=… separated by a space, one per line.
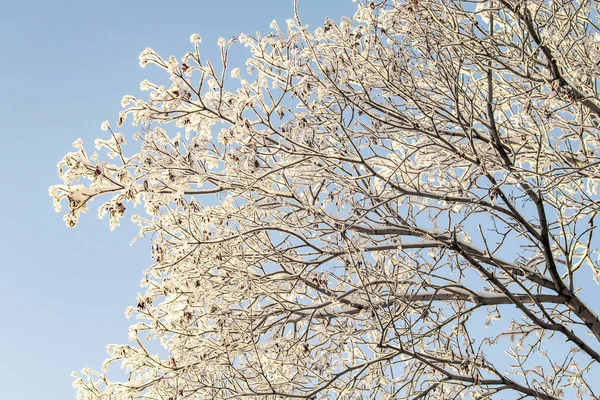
x=145 y=56
x=147 y=85
x=105 y=125
x=195 y=38
x=126 y=100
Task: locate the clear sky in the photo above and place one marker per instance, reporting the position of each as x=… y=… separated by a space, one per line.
x=66 y=65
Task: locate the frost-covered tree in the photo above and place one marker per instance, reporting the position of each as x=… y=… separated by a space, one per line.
x=398 y=205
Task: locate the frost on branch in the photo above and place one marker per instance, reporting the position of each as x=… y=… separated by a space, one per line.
x=369 y=209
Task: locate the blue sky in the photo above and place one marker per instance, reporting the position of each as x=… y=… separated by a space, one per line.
x=66 y=66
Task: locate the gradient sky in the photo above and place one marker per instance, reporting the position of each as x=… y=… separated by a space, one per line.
x=66 y=66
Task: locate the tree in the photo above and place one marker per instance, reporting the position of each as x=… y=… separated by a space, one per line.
x=401 y=205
